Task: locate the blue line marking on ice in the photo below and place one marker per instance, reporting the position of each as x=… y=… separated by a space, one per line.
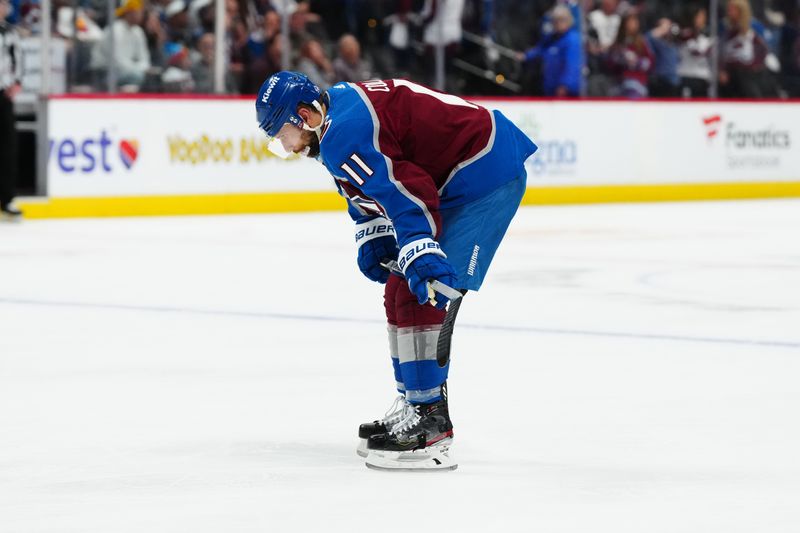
x=323 y=318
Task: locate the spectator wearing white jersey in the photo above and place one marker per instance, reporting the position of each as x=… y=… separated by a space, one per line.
x=131 y=55
x=605 y=22
x=603 y=27
x=744 y=52
x=442 y=22
x=399 y=24
x=442 y=26
x=695 y=49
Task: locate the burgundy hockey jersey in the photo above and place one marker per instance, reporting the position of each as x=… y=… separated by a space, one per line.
x=403 y=151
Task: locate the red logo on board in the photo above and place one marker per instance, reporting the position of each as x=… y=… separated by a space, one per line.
x=128 y=151
x=712 y=124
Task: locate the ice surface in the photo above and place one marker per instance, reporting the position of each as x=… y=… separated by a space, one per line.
x=626 y=368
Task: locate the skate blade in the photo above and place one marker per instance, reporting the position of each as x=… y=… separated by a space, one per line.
x=10 y=219
x=362 y=448
x=433 y=459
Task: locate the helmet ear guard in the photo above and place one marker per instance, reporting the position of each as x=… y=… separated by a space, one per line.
x=318 y=129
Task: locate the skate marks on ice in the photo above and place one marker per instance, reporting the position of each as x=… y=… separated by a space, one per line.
x=716 y=287
x=555 y=483
x=712 y=287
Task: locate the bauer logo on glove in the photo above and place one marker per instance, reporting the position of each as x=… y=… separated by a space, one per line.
x=417 y=248
x=372 y=229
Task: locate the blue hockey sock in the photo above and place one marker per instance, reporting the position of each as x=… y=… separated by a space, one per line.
x=421 y=373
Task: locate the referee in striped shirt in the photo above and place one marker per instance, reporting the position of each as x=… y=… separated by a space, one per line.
x=9 y=87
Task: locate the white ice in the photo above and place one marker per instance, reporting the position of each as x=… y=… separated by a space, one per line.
x=626 y=368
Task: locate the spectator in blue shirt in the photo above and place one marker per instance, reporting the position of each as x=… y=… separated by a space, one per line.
x=664 y=79
x=561 y=54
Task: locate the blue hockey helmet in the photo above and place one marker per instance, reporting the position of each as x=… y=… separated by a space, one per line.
x=276 y=103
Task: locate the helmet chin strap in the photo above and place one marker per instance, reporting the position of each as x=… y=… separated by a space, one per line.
x=318 y=129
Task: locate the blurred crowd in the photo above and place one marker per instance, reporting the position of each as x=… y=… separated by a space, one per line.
x=639 y=49
x=563 y=48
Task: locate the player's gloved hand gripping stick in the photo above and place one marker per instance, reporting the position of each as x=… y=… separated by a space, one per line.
x=434 y=286
x=422 y=262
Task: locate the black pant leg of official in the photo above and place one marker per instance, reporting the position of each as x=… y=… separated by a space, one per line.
x=8 y=151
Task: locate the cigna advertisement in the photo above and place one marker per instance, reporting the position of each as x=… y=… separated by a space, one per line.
x=130 y=147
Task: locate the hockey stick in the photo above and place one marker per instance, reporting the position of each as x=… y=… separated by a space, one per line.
x=445 y=290
x=446 y=333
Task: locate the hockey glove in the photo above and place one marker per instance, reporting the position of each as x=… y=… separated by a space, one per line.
x=423 y=261
x=376 y=244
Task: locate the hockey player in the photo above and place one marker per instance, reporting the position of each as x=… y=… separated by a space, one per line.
x=432 y=182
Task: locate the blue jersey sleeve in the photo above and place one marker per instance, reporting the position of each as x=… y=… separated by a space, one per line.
x=402 y=190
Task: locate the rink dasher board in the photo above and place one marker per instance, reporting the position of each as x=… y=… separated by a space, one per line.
x=122 y=156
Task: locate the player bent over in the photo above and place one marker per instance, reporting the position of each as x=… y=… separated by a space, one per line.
x=432 y=182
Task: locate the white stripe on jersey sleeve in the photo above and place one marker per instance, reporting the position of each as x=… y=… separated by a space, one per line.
x=353 y=174
x=361 y=163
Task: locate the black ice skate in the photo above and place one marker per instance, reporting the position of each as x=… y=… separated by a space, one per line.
x=419 y=441
x=10 y=213
x=379 y=427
